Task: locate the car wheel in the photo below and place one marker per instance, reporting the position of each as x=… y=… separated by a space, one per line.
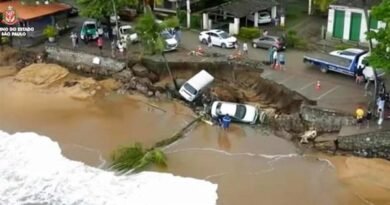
x=223 y=45
x=204 y=41
x=324 y=69
x=254 y=45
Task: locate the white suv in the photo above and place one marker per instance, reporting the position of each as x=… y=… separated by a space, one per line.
x=218 y=38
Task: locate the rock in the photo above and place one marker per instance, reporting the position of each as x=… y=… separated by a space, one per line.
x=145 y=81
x=123 y=76
x=141 y=88
x=150 y=93
x=289 y=123
x=153 y=77
x=325 y=120
x=140 y=71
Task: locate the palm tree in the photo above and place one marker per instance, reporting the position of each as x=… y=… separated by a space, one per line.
x=136 y=158
x=150 y=35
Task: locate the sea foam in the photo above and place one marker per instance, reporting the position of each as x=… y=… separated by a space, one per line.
x=33 y=171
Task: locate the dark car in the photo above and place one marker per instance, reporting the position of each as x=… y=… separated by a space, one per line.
x=269 y=42
x=127 y=14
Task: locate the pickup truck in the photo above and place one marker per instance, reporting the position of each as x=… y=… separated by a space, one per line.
x=346 y=65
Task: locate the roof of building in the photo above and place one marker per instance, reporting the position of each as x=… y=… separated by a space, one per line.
x=356 y=3
x=242 y=8
x=27 y=12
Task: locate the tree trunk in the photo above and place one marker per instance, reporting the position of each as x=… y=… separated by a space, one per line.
x=370 y=46
x=170 y=72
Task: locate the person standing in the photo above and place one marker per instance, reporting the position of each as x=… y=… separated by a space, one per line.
x=359 y=74
x=359 y=116
x=380 y=109
x=245 y=48
x=275 y=59
x=282 y=61
x=368 y=118
x=121 y=48
x=100 y=44
x=74 y=37
x=210 y=43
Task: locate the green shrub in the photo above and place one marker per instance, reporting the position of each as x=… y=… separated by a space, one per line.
x=50 y=31
x=182 y=16
x=196 y=21
x=249 y=33
x=172 y=22
x=293 y=41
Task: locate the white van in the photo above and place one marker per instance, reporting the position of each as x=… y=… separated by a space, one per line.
x=194 y=86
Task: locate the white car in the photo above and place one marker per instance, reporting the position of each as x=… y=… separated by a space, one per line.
x=264 y=17
x=171 y=42
x=349 y=53
x=218 y=38
x=238 y=112
x=127 y=34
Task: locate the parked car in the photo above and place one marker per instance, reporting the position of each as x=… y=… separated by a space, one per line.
x=89 y=30
x=171 y=42
x=348 y=53
x=127 y=14
x=264 y=17
x=127 y=34
x=218 y=38
x=269 y=42
x=238 y=112
x=195 y=85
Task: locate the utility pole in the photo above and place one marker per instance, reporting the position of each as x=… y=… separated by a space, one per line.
x=116 y=19
x=188 y=14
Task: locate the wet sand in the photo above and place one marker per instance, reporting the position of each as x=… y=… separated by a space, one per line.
x=251 y=166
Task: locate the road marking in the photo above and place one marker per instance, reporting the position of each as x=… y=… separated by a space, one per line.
x=328 y=92
x=306 y=86
x=287 y=79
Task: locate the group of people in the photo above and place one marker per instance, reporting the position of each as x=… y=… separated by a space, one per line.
x=277 y=59
x=115 y=44
x=381 y=102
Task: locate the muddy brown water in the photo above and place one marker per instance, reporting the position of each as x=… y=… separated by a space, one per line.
x=250 y=165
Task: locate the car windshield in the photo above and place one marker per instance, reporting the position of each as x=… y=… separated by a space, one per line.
x=190 y=89
x=128 y=31
x=224 y=35
x=90 y=26
x=166 y=35
x=240 y=112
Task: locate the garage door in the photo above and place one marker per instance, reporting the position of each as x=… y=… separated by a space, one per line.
x=356 y=21
x=338 y=29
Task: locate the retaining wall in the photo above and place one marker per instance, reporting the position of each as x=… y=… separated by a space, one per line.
x=373 y=144
x=83 y=62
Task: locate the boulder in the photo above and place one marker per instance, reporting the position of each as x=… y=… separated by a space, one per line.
x=140 y=71
x=289 y=123
x=124 y=76
x=153 y=77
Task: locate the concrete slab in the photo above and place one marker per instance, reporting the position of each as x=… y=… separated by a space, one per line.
x=354 y=130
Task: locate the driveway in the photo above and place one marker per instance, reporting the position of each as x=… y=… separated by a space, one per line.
x=337 y=91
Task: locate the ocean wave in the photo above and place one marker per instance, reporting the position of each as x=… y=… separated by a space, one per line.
x=33 y=171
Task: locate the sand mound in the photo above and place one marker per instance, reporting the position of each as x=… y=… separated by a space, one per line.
x=82 y=88
x=110 y=84
x=42 y=74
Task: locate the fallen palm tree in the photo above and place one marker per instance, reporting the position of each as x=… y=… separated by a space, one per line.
x=135 y=158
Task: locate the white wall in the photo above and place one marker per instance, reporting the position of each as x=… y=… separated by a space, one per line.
x=347 y=22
